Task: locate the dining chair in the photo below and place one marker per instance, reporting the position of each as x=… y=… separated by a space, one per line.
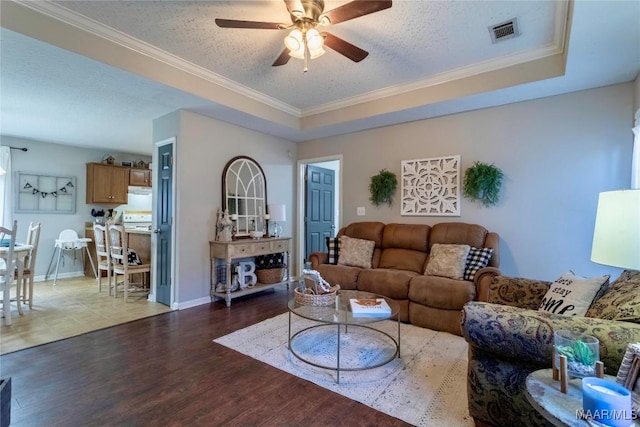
x=7 y=271
x=119 y=251
x=33 y=239
x=103 y=258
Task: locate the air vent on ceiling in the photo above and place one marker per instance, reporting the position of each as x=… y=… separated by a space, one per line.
x=504 y=31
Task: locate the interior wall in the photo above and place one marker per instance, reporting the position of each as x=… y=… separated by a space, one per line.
x=636 y=86
x=557 y=154
x=44 y=158
x=204 y=146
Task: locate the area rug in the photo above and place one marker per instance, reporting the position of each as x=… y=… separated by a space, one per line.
x=426 y=386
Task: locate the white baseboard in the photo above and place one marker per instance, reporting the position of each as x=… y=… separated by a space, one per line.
x=192 y=303
x=60 y=276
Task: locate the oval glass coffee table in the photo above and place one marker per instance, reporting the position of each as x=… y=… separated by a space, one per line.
x=354 y=342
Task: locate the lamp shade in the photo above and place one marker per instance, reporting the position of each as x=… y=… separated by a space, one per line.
x=277 y=213
x=616 y=236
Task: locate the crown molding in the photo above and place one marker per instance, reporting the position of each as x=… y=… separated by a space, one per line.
x=98 y=29
x=557 y=47
x=112 y=35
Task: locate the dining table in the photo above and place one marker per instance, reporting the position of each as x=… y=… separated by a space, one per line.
x=20 y=252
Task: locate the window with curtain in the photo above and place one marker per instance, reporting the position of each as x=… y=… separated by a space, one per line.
x=6 y=216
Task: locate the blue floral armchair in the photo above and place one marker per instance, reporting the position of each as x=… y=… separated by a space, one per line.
x=508 y=339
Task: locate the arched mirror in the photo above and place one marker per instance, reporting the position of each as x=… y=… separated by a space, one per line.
x=244 y=193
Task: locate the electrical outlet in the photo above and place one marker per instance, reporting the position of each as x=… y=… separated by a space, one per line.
x=360 y=211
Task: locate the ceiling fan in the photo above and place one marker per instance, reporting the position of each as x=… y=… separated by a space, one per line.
x=305 y=41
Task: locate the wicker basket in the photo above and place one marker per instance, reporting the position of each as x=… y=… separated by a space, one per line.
x=322 y=300
x=270 y=275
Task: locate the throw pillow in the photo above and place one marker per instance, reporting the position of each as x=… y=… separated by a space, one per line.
x=572 y=295
x=447 y=260
x=478 y=258
x=620 y=302
x=356 y=252
x=333 y=248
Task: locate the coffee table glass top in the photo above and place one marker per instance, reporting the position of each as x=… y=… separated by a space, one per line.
x=340 y=313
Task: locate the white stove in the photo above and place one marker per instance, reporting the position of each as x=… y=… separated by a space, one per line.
x=136 y=220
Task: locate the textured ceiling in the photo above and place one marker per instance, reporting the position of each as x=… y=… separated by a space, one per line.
x=408 y=42
x=71 y=69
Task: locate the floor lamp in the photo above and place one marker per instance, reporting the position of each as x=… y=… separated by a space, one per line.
x=616 y=235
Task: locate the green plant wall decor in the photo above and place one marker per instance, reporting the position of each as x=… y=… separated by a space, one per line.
x=383 y=187
x=482 y=182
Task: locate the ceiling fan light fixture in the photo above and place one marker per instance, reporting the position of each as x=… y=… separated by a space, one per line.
x=316 y=53
x=297 y=53
x=293 y=41
x=324 y=20
x=314 y=39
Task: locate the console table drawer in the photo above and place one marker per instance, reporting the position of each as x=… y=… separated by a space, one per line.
x=279 y=246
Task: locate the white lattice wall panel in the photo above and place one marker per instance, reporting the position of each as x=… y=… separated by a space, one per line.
x=431 y=187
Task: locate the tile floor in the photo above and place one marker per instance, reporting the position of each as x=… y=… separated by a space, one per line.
x=70 y=308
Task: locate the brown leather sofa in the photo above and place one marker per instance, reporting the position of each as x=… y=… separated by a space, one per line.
x=399 y=259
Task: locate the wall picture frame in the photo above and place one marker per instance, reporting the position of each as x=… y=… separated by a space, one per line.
x=37 y=193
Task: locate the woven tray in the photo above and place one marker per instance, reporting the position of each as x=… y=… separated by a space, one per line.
x=270 y=275
x=323 y=300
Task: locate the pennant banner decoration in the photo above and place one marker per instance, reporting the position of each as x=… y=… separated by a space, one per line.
x=53 y=193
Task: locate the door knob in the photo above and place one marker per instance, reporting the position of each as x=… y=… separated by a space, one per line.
x=157 y=231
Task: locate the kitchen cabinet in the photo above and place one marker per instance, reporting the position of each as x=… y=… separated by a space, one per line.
x=140 y=177
x=107 y=184
x=243 y=248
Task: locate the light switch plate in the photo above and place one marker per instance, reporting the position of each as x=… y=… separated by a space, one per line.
x=360 y=211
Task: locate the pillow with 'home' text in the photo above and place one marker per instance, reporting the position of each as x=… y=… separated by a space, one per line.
x=572 y=295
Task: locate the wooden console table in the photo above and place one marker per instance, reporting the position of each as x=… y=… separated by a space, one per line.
x=245 y=248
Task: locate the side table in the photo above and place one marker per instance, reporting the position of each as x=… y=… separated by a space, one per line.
x=560 y=409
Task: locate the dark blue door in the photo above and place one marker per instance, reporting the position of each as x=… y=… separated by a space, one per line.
x=164 y=210
x=319 y=209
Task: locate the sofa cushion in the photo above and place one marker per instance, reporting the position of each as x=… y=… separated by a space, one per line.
x=447 y=261
x=390 y=283
x=572 y=295
x=366 y=231
x=458 y=233
x=333 y=249
x=478 y=258
x=441 y=292
x=517 y=291
x=355 y=252
x=620 y=302
x=346 y=277
x=404 y=247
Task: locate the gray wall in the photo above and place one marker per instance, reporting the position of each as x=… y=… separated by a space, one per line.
x=557 y=154
x=45 y=158
x=204 y=146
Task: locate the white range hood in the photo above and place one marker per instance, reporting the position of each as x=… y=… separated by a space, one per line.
x=139 y=190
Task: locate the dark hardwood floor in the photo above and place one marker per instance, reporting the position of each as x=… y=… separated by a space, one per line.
x=166 y=371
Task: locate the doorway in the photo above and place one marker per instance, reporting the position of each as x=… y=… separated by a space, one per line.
x=164 y=232
x=319 y=204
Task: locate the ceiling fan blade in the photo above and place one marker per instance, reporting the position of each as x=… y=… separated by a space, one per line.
x=283 y=58
x=233 y=23
x=355 y=9
x=352 y=52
